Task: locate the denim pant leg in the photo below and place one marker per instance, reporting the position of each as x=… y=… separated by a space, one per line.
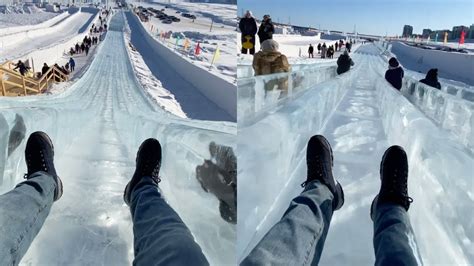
x=392 y=236
x=23 y=211
x=160 y=236
x=298 y=238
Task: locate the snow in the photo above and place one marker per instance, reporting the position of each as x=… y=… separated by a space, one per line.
x=222 y=35
x=17 y=19
x=361 y=115
x=97 y=126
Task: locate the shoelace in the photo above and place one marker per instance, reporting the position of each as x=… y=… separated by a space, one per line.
x=28 y=164
x=319 y=171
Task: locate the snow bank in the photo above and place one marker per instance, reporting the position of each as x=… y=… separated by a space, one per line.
x=45 y=24
x=447 y=111
x=218 y=90
x=442 y=217
x=456 y=66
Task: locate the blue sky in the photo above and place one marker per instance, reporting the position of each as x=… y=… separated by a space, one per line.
x=370 y=16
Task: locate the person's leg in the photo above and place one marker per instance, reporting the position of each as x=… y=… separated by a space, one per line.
x=24 y=209
x=160 y=236
x=394 y=240
x=298 y=238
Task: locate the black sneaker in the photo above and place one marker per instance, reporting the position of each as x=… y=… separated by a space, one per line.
x=394 y=176
x=39 y=156
x=319 y=159
x=148 y=164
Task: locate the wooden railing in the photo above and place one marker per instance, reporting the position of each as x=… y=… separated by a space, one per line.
x=11 y=79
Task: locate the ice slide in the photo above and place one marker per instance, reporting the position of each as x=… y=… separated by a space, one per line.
x=21 y=43
x=97 y=126
x=361 y=115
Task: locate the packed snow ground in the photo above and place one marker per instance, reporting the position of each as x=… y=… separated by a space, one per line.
x=361 y=115
x=295 y=48
x=20 y=16
x=222 y=34
x=97 y=126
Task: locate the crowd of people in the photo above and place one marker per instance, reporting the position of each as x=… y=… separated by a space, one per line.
x=328 y=51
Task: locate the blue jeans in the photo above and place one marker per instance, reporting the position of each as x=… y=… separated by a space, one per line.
x=23 y=211
x=160 y=236
x=298 y=238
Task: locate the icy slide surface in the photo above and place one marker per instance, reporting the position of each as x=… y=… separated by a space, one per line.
x=361 y=115
x=97 y=127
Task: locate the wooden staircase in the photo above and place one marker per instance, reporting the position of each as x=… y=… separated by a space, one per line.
x=14 y=84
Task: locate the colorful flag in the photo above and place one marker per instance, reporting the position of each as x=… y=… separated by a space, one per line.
x=216 y=56
x=461 y=40
x=186 y=44
x=197 y=51
x=445 y=41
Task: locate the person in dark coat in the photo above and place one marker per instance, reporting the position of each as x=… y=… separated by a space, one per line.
x=335 y=45
x=431 y=79
x=319 y=48
x=348 y=46
x=344 y=63
x=21 y=67
x=72 y=64
x=87 y=49
x=394 y=74
x=266 y=29
x=311 y=51
x=44 y=69
x=248 y=28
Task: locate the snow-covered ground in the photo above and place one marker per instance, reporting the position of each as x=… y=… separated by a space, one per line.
x=222 y=34
x=295 y=47
x=97 y=126
x=19 y=16
x=361 y=115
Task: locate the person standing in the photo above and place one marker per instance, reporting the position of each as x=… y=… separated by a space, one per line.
x=319 y=48
x=72 y=64
x=324 y=50
x=336 y=46
x=266 y=30
x=248 y=28
x=310 y=51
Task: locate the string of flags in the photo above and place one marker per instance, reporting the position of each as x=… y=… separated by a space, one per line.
x=182 y=43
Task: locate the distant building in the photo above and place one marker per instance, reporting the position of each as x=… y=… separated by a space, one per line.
x=426 y=32
x=471 y=32
x=407 y=31
x=456 y=33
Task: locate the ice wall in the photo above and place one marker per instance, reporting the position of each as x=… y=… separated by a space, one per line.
x=440 y=181
x=255 y=95
x=270 y=152
x=451 y=112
